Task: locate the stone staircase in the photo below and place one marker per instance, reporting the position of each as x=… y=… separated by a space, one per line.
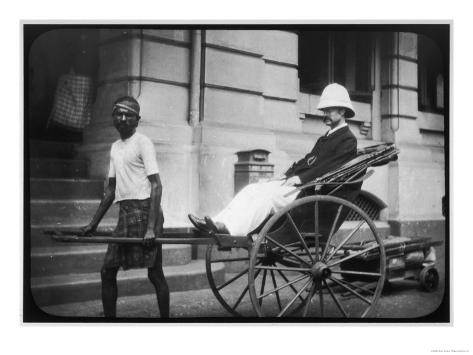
x=62 y=196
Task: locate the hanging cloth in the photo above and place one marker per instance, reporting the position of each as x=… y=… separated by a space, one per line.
x=72 y=107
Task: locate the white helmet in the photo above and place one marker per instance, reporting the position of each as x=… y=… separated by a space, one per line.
x=335 y=95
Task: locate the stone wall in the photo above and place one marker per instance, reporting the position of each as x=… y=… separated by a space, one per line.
x=152 y=66
x=250 y=99
x=416 y=182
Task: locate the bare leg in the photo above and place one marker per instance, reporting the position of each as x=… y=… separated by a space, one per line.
x=109 y=291
x=156 y=276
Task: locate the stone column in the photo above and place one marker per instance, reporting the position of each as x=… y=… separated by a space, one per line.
x=416 y=180
x=152 y=66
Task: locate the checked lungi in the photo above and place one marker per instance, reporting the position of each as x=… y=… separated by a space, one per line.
x=132 y=223
x=73 y=100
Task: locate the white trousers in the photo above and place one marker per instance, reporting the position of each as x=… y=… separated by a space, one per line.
x=253 y=204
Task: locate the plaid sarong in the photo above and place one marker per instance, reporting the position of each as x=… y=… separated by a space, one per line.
x=72 y=102
x=132 y=223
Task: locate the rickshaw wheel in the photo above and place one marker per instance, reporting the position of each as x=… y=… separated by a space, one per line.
x=326 y=272
x=429 y=279
x=232 y=293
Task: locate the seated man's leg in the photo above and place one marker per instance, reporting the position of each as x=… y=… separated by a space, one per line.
x=279 y=200
x=109 y=291
x=253 y=205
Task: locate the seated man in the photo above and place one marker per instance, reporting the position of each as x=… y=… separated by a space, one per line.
x=253 y=204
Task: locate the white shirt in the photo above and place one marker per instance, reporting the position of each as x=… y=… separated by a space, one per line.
x=336 y=128
x=131 y=162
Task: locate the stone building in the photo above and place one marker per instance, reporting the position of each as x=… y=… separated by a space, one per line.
x=207 y=94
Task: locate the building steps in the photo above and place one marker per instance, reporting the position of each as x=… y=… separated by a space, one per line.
x=63 y=198
x=63 y=189
x=36 y=237
x=67 y=211
x=58 y=168
x=59 y=289
x=52 y=149
x=73 y=259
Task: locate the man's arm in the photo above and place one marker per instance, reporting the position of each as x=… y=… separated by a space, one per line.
x=345 y=151
x=107 y=200
x=155 y=209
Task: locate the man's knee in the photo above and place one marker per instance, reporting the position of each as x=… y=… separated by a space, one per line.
x=108 y=274
x=156 y=272
x=157 y=278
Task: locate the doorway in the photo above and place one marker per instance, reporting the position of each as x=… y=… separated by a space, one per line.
x=52 y=55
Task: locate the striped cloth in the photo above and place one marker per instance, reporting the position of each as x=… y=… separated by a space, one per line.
x=132 y=223
x=72 y=102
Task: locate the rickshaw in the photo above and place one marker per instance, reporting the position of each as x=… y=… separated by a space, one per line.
x=308 y=259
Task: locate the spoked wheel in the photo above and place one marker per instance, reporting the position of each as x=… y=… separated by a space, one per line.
x=326 y=267
x=227 y=273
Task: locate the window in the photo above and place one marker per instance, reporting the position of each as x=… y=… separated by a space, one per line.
x=430 y=75
x=342 y=57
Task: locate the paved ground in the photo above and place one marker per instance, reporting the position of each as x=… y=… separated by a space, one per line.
x=402 y=300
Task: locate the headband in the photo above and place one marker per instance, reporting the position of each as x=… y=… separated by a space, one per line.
x=126 y=107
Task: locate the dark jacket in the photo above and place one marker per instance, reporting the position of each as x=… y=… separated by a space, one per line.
x=329 y=153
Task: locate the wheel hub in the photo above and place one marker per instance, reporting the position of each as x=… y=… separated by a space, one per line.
x=320 y=271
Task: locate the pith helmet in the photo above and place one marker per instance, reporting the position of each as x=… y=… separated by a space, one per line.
x=335 y=95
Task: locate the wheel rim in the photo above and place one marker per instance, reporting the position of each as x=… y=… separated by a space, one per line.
x=328 y=277
x=232 y=291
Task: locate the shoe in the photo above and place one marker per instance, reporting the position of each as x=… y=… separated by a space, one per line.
x=215 y=227
x=198 y=223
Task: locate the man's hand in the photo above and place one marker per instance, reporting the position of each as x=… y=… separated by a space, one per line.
x=87 y=231
x=294 y=180
x=148 y=239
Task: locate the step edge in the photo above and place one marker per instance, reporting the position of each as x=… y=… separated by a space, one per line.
x=189 y=269
x=62 y=201
x=71 y=180
x=36 y=252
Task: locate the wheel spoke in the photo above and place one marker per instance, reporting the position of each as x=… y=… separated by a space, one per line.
x=351 y=272
x=288 y=250
x=337 y=302
x=294 y=299
x=332 y=230
x=308 y=300
x=282 y=268
x=351 y=290
x=321 y=298
x=244 y=292
x=316 y=230
x=354 y=255
x=277 y=292
x=289 y=217
x=276 y=289
x=288 y=259
x=356 y=286
x=287 y=280
x=262 y=286
x=345 y=240
x=240 y=274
